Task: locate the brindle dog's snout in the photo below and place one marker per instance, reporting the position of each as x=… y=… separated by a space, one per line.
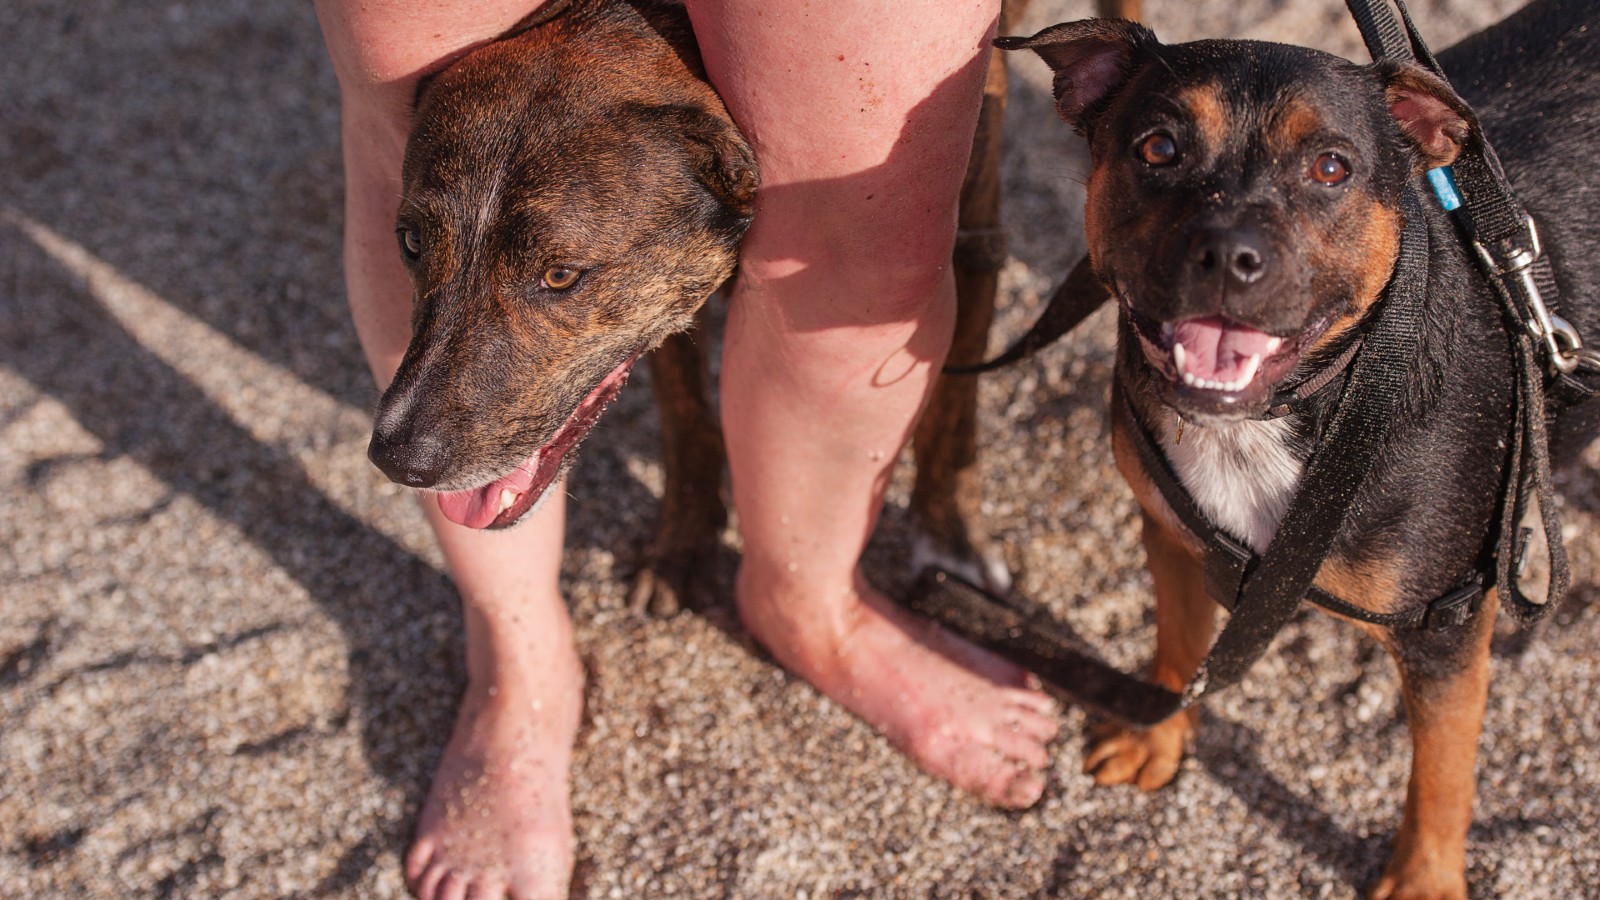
x=1235 y=257
x=410 y=459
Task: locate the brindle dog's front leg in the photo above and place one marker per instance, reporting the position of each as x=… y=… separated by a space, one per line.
x=949 y=525
x=1445 y=684
x=1186 y=623
x=679 y=562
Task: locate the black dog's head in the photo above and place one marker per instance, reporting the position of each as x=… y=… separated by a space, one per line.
x=571 y=195
x=1243 y=205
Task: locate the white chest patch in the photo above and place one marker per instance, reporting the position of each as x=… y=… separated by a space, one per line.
x=1242 y=475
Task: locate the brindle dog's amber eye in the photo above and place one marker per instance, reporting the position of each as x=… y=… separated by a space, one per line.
x=559 y=278
x=1329 y=169
x=410 y=242
x=1158 y=149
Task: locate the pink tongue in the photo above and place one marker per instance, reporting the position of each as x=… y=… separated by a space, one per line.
x=477 y=508
x=1215 y=349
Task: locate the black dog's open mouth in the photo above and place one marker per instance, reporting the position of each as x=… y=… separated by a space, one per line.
x=504 y=501
x=1215 y=364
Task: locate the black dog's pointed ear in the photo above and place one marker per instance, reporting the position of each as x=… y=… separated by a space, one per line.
x=1437 y=122
x=1091 y=58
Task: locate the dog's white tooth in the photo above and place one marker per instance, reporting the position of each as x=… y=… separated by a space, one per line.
x=507 y=498
x=1178 y=358
x=1251 y=366
x=1274 y=344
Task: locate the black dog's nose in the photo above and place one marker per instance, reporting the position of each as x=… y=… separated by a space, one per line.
x=417 y=462
x=1233 y=253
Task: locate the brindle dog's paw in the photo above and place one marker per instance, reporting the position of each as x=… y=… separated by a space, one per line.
x=977 y=561
x=1149 y=759
x=1416 y=878
x=671 y=580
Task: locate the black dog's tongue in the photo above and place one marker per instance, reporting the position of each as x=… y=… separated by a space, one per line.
x=1218 y=354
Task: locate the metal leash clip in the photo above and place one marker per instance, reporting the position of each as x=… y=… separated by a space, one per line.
x=1562 y=340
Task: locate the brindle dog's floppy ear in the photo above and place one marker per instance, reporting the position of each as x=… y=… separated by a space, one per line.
x=1091 y=59
x=1436 y=121
x=726 y=165
x=718 y=155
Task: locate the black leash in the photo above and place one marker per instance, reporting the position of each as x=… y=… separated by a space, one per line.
x=1075 y=300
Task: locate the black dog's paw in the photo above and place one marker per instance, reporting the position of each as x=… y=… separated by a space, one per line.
x=1148 y=758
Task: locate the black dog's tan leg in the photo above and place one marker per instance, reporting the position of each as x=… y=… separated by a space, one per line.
x=1445 y=683
x=945 y=511
x=1185 y=626
x=679 y=558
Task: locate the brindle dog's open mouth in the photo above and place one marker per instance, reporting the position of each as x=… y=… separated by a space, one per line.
x=504 y=501
x=1215 y=364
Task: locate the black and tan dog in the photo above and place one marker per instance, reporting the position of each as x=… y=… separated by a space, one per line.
x=1244 y=209
x=573 y=192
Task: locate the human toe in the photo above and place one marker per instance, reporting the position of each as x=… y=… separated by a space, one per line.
x=427 y=884
x=1037 y=702
x=1015 y=785
x=1035 y=726
x=1022 y=748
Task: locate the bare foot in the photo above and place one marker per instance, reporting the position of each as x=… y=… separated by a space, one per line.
x=497 y=822
x=960 y=712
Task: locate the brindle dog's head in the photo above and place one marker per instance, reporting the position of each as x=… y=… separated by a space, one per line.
x=1244 y=201
x=572 y=193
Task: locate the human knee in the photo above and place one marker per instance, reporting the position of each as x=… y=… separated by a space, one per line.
x=882 y=276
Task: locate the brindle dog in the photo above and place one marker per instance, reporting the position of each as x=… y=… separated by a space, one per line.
x=572 y=194
x=1244 y=210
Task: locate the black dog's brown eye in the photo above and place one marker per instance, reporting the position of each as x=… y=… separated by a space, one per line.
x=559 y=278
x=1158 y=149
x=1329 y=169
x=410 y=242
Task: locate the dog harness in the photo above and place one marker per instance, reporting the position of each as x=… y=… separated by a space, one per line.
x=1263 y=591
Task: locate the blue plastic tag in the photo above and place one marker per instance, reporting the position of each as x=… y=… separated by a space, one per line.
x=1444 y=187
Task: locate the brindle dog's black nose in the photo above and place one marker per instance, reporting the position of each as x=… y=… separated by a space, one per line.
x=417 y=462
x=1236 y=254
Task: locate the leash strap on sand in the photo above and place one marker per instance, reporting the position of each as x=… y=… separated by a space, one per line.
x=1268 y=592
x=1548 y=352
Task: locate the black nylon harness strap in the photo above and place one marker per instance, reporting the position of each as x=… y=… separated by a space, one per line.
x=1227 y=558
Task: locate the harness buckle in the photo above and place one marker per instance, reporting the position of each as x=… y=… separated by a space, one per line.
x=1455 y=608
x=1513 y=262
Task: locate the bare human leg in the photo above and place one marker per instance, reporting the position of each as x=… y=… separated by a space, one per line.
x=862 y=114
x=497 y=820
